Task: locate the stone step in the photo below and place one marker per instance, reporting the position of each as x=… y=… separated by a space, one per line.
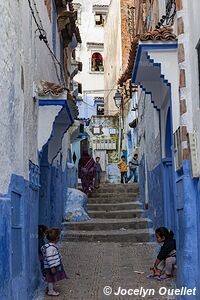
x=117 y=188
x=95 y=194
x=117 y=214
x=129 y=235
x=115 y=206
x=109 y=224
x=112 y=200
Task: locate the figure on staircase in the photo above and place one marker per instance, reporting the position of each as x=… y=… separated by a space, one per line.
x=86 y=171
x=123 y=169
x=97 y=179
x=133 y=164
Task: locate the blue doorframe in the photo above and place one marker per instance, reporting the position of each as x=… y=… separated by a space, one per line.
x=168 y=175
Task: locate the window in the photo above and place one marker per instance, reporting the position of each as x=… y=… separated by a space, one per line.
x=97 y=62
x=100 y=19
x=100 y=110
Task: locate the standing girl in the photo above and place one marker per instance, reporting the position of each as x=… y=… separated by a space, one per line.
x=166 y=258
x=52 y=261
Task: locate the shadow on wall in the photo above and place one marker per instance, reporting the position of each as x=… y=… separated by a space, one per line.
x=155 y=205
x=72 y=175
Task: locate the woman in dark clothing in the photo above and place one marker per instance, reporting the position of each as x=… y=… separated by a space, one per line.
x=86 y=171
x=97 y=179
x=166 y=258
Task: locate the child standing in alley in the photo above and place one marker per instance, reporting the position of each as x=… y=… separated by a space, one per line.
x=123 y=169
x=166 y=258
x=52 y=261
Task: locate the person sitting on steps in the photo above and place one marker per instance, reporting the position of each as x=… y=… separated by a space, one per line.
x=166 y=258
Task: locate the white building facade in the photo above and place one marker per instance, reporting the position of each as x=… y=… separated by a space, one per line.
x=91 y=17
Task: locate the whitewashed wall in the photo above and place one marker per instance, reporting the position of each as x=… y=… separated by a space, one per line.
x=92 y=34
x=190 y=39
x=20 y=49
x=113 y=55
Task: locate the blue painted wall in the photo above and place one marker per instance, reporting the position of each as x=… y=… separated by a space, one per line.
x=5 y=232
x=187 y=214
x=155 y=209
x=19 y=268
x=155 y=195
x=54 y=183
x=198 y=230
x=142 y=179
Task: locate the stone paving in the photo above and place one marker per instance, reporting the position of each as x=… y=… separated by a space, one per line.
x=92 y=266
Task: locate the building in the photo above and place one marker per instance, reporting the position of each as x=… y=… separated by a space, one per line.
x=35 y=115
x=91 y=20
x=163 y=62
x=119 y=33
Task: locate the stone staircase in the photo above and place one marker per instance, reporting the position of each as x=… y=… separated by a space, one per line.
x=116 y=216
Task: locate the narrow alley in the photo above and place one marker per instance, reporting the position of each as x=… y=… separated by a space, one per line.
x=99 y=149
x=93 y=266
x=113 y=249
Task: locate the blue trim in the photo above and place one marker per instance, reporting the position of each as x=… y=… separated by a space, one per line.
x=136 y=64
x=64 y=103
x=49 y=102
x=158 y=65
x=148 y=47
x=69 y=112
x=162 y=77
x=54 y=29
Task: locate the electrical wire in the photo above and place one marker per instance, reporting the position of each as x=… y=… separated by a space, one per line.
x=43 y=37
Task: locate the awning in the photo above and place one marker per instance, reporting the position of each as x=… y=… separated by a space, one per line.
x=156 y=65
x=56 y=114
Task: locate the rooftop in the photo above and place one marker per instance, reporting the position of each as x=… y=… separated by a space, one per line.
x=164 y=34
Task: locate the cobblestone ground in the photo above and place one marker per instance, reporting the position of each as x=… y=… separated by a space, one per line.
x=92 y=266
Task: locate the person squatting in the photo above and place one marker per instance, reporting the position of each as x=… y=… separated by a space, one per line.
x=166 y=258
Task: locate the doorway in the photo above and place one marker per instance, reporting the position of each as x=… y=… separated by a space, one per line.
x=168 y=175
